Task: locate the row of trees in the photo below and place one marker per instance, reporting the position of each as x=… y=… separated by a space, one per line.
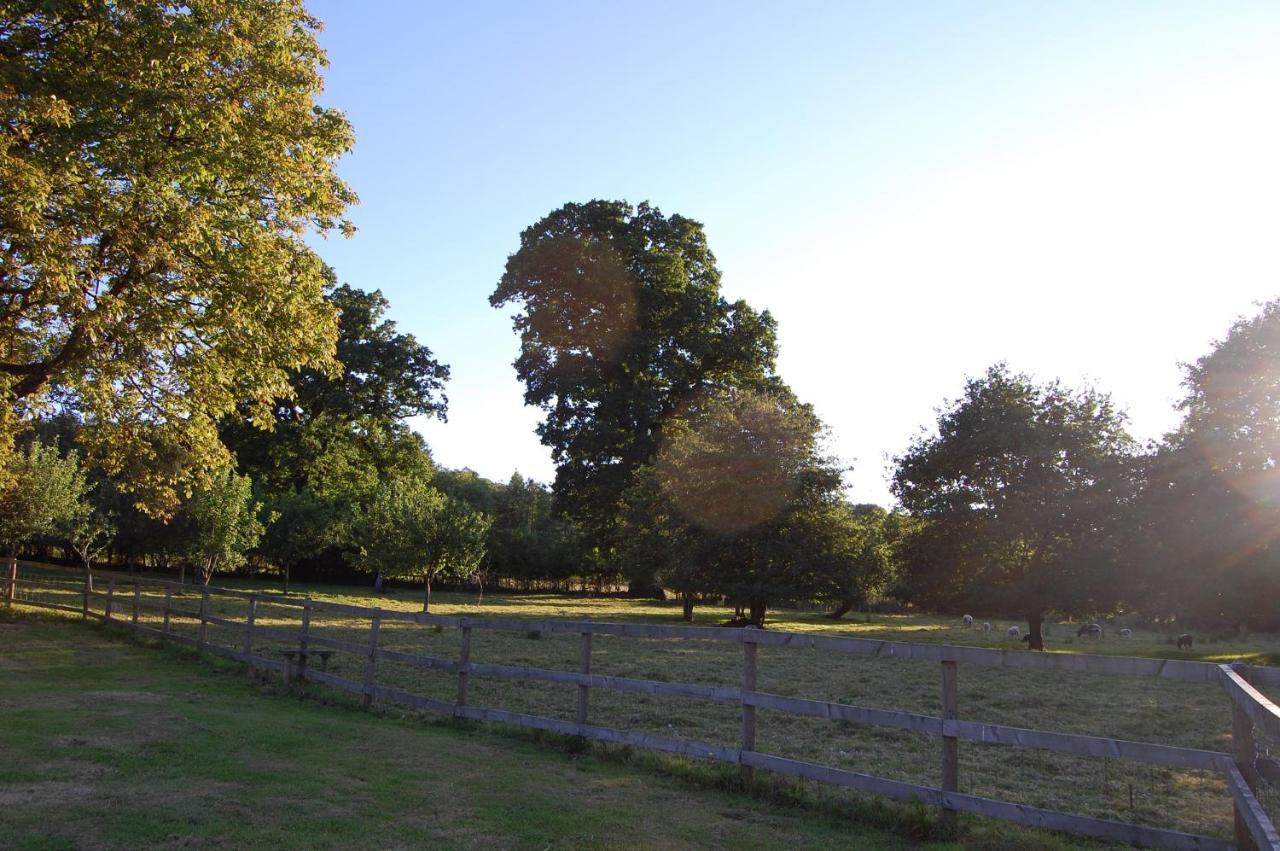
x=694 y=467
x=182 y=380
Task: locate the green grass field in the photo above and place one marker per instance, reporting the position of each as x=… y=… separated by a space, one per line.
x=111 y=744
x=1145 y=710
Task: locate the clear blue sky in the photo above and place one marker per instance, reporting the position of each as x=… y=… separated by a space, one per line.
x=1088 y=190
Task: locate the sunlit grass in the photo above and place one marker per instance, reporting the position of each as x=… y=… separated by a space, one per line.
x=1169 y=712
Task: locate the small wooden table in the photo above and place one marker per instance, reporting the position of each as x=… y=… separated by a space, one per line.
x=295 y=662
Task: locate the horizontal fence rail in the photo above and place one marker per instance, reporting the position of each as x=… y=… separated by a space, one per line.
x=119 y=601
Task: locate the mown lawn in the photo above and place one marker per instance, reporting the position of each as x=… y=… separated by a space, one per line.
x=1144 y=710
x=109 y=744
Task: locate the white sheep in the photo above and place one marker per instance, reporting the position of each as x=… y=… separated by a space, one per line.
x=1126 y=633
x=967 y=620
x=986 y=627
x=1013 y=632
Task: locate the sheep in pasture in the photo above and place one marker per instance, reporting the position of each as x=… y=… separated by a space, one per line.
x=967 y=620
x=1185 y=640
x=1092 y=630
x=1013 y=632
x=1126 y=633
x=986 y=627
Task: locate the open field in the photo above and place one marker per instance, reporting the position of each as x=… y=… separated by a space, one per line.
x=1168 y=712
x=110 y=744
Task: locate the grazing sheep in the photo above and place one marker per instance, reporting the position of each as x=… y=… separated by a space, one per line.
x=986 y=627
x=1126 y=633
x=1185 y=640
x=1013 y=632
x=967 y=620
x=1092 y=630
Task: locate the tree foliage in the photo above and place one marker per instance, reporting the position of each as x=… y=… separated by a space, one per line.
x=742 y=487
x=222 y=522
x=161 y=164
x=621 y=321
x=1022 y=496
x=1212 y=502
x=412 y=530
x=43 y=493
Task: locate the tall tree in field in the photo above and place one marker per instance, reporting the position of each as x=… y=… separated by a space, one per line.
x=222 y=523
x=340 y=434
x=160 y=167
x=1023 y=496
x=745 y=474
x=859 y=544
x=621 y=321
x=43 y=492
x=413 y=531
x=1212 y=502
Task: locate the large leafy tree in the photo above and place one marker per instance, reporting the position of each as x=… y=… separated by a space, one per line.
x=621 y=321
x=528 y=541
x=1212 y=501
x=412 y=530
x=222 y=523
x=746 y=475
x=160 y=165
x=1023 y=495
x=859 y=545
x=43 y=494
x=341 y=433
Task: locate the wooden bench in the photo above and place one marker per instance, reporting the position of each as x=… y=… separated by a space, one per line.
x=295 y=662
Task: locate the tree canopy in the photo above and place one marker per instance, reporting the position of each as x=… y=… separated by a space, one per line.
x=161 y=164
x=1021 y=496
x=621 y=321
x=1212 y=502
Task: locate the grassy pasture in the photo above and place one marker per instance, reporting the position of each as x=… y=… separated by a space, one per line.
x=1145 y=710
x=108 y=744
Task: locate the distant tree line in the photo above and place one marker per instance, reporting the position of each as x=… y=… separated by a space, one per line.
x=184 y=385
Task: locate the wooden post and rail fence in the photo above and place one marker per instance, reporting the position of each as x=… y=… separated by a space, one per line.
x=1243 y=769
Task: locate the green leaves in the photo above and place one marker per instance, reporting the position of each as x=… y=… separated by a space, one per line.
x=622 y=320
x=43 y=492
x=161 y=166
x=1022 y=497
x=223 y=521
x=410 y=529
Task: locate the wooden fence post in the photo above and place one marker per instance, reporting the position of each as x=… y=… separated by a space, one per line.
x=248 y=626
x=950 y=744
x=1242 y=748
x=111 y=598
x=306 y=622
x=464 y=661
x=137 y=601
x=168 y=605
x=12 y=580
x=748 y=743
x=584 y=691
x=371 y=666
x=204 y=618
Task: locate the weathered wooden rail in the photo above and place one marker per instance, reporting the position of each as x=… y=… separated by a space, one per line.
x=122 y=601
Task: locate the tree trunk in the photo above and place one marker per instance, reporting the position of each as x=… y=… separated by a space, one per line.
x=426 y=600
x=686 y=599
x=480 y=582
x=182 y=574
x=757 y=613
x=843 y=609
x=286 y=579
x=1035 y=635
